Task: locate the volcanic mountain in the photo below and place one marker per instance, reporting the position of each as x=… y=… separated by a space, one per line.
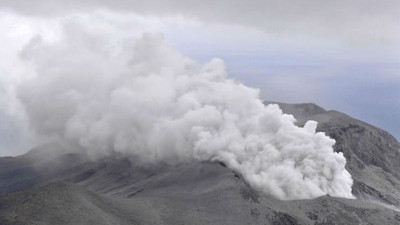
x=52 y=184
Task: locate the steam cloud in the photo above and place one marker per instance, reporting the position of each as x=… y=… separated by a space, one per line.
x=140 y=97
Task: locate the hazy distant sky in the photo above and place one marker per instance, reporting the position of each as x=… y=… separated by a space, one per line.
x=342 y=55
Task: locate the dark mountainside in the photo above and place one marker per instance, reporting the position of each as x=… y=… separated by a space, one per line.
x=50 y=185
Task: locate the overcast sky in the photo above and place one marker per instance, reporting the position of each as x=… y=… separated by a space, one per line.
x=342 y=55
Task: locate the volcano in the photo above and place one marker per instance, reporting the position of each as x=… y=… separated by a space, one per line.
x=52 y=184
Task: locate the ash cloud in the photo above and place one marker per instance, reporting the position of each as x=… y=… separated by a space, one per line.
x=142 y=98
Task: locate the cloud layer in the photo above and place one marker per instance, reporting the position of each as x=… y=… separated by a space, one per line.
x=140 y=97
x=355 y=22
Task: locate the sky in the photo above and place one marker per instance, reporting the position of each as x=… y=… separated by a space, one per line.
x=342 y=55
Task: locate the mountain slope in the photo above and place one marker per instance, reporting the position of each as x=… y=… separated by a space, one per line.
x=373 y=155
x=199 y=193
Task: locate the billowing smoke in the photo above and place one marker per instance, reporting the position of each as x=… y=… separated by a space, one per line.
x=142 y=98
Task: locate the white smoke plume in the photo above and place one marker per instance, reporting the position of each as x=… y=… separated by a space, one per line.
x=142 y=98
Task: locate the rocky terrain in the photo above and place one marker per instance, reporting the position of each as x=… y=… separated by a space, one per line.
x=51 y=185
